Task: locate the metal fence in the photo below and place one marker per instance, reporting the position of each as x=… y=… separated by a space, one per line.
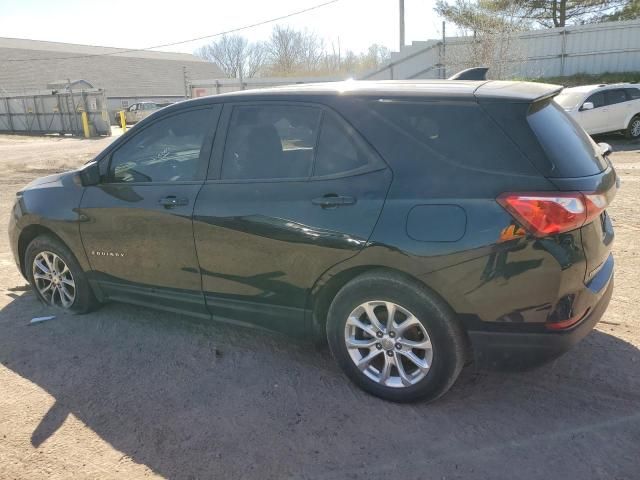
x=554 y=52
x=61 y=113
x=203 y=88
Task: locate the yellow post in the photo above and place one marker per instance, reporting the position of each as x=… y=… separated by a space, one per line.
x=85 y=125
x=123 y=121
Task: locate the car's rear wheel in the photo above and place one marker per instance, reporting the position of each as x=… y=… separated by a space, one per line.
x=56 y=277
x=633 y=130
x=394 y=338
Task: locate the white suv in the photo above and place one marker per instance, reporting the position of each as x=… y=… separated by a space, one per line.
x=604 y=108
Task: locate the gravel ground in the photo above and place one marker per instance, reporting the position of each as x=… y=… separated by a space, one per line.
x=130 y=393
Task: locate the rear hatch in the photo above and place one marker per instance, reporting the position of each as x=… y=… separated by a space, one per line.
x=575 y=163
x=563 y=153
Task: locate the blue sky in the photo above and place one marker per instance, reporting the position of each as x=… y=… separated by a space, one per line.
x=142 y=23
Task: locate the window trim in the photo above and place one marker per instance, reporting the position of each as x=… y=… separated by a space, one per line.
x=205 y=150
x=224 y=124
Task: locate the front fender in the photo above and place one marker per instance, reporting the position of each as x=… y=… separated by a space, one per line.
x=51 y=206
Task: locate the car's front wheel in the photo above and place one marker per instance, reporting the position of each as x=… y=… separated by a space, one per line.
x=633 y=130
x=56 y=277
x=394 y=338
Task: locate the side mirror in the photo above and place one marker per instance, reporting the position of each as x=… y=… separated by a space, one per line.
x=605 y=149
x=90 y=174
x=587 y=106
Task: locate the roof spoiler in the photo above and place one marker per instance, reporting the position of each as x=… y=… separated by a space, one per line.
x=525 y=92
x=475 y=73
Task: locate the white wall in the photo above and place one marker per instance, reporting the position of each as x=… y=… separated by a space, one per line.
x=592 y=49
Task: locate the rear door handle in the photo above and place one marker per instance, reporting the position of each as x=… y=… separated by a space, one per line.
x=332 y=200
x=172 y=201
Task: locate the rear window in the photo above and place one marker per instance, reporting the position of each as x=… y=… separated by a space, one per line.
x=568 y=147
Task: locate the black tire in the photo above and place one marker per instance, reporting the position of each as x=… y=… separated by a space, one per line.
x=447 y=337
x=84 y=300
x=633 y=130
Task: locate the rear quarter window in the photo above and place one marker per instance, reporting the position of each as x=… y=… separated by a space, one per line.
x=569 y=150
x=633 y=93
x=457 y=133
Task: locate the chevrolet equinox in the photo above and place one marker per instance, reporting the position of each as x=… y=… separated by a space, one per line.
x=417 y=226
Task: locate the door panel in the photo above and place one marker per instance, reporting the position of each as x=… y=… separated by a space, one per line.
x=263 y=245
x=139 y=249
x=596 y=120
x=263 y=242
x=138 y=227
x=617 y=109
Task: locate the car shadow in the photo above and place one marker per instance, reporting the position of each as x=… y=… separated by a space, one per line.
x=193 y=399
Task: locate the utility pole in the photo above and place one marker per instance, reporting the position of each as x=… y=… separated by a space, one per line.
x=443 y=61
x=401 y=24
x=185 y=79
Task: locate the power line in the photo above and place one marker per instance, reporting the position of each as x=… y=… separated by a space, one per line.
x=234 y=30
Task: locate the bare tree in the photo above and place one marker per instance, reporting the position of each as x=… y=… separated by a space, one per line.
x=311 y=51
x=490 y=37
x=284 y=50
x=288 y=52
x=256 y=59
x=235 y=56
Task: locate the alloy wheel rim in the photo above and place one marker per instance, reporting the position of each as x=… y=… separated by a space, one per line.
x=635 y=128
x=388 y=344
x=53 y=279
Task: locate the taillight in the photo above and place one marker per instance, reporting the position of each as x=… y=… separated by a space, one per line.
x=548 y=213
x=596 y=203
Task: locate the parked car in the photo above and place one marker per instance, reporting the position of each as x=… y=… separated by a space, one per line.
x=139 y=111
x=352 y=211
x=604 y=108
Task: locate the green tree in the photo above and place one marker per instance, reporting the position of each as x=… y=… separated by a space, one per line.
x=492 y=14
x=631 y=11
x=558 y=13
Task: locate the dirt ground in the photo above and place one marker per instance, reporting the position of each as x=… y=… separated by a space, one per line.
x=127 y=392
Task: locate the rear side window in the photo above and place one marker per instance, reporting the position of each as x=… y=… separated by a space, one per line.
x=615 y=96
x=270 y=141
x=454 y=132
x=567 y=146
x=633 y=93
x=340 y=148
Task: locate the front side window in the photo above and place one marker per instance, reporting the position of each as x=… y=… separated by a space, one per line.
x=270 y=141
x=167 y=151
x=597 y=99
x=615 y=96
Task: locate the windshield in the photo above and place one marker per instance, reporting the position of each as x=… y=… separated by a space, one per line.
x=569 y=100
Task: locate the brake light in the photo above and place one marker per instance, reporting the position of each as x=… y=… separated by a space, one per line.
x=543 y=213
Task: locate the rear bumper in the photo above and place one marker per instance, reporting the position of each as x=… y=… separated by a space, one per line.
x=521 y=351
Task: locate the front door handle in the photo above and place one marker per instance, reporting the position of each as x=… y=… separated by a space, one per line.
x=331 y=200
x=172 y=201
